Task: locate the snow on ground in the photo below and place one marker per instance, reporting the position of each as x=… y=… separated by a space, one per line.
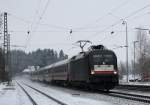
x=73 y=96
x=97 y=96
x=2 y=86
x=65 y=97
x=39 y=98
x=12 y=95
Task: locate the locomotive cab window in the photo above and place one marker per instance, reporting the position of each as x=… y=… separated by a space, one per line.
x=100 y=58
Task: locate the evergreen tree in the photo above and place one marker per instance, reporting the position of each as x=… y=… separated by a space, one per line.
x=21 y=60
x=62 y=56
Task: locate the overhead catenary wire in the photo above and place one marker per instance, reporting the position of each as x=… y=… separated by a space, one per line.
x=75 y=31
x=100 y=18
x=36 y=13
x=116 y=8
x=34 y=29
x=43 y=24
x=49 y=25
x=135 y=12
x=131 y=43
x=19 y=18
x=42 y=14
x=117 y=22
x=139 y=16
x=51 y=31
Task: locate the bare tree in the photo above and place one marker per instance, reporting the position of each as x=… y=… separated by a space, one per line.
x=143 y=53
x=122 y=69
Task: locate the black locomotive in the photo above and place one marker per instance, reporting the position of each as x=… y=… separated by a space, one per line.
x=96 y=68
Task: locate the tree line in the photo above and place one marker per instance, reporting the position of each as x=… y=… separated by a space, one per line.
x=21 y=60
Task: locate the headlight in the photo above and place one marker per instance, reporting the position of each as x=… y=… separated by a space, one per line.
x=92 y=72
x=115 y=72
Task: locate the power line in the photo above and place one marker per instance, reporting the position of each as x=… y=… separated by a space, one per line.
x=19 y=18
x=130 y=15
x=139 y=16
x=117 y=22
x=36 y=12
x=40 y=18
x=49 y=31
x=97 y=33
x=135 y=12
x=43 y=24
x=108 y=13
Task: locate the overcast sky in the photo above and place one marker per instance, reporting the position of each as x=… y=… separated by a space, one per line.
x=49 y=22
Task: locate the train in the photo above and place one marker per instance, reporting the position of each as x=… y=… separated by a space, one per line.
x=95 y=68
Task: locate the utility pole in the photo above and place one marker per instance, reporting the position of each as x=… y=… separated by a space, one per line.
x=6 y=50
x=125 y=23
x=134 y=57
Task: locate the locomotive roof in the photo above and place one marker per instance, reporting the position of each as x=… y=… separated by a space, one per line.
x=97 y=47
x=83 y=54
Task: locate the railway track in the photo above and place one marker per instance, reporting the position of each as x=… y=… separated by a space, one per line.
x=29 y=96
x=123 y=95
x=112 y=93
x=134 y=87
x=42 y=93
x=135 y=97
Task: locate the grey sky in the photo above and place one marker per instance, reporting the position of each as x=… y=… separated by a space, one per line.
x=87 y=19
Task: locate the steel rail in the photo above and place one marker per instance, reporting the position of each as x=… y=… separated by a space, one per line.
x=135 y=97
x=48 y=96
x=30 y=98
x=133 y=87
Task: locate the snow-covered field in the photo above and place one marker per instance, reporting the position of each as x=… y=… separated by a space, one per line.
x=13 y=95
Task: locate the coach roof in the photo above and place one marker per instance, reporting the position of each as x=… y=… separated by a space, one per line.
x=61 y=62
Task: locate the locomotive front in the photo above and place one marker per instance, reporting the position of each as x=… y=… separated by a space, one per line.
x=103 y=67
